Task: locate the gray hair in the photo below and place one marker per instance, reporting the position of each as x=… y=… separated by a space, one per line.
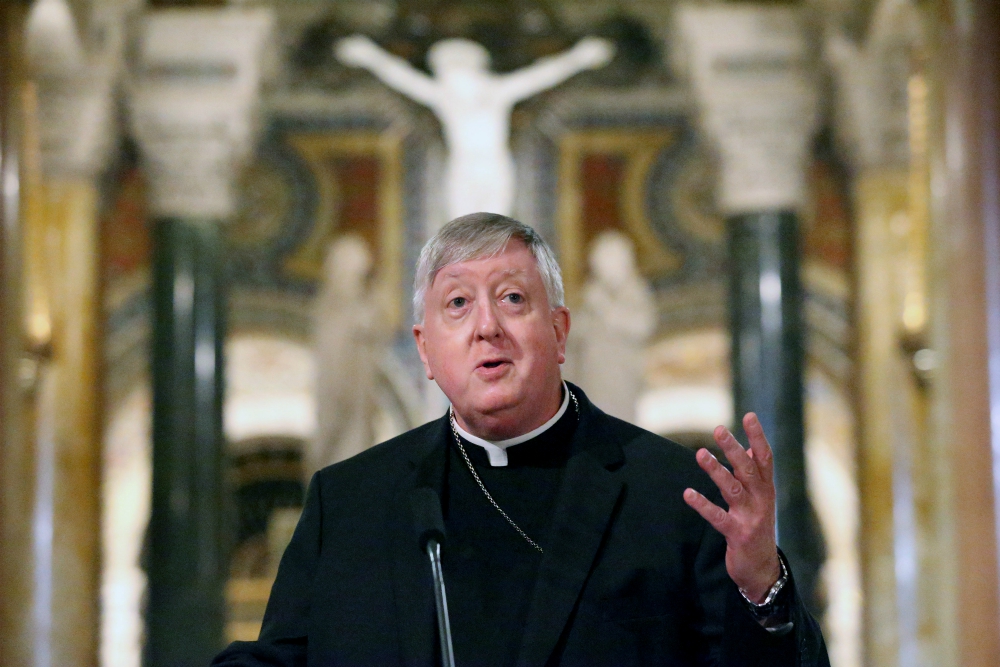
x=480 y=235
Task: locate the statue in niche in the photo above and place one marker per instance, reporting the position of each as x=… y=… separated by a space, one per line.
x=610 y=330
x=348 y=334
x=474 y=107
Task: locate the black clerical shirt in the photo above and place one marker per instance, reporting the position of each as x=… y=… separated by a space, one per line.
x=489 y=568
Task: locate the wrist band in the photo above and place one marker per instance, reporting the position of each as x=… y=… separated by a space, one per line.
x=766 y=608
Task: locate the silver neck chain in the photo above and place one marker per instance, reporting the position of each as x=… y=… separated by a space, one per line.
x=482 y=487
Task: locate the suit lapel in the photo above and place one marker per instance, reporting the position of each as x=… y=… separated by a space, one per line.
x=584 y=510
x=412 y=584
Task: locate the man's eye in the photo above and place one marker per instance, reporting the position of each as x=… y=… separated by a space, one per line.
x=458 y=302
x=515 y=298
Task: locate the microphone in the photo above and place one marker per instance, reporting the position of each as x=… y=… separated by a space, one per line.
x=427 y=517
x=429 y=525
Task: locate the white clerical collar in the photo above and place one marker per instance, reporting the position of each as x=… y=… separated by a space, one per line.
x=497 y=451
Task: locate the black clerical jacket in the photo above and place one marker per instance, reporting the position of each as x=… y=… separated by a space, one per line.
x=630 y=574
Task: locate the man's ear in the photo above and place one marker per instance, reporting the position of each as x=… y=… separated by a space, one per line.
x=561 y=323
x=418 y=336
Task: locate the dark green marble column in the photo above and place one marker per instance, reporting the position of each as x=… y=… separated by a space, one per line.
x=186 y=558
x=767 y=327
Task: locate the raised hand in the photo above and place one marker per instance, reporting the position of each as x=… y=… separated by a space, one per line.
x=357 y=50
x=748 y=526
x=593 y=52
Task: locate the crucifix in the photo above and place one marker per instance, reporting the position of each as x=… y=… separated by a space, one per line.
x=474 y=107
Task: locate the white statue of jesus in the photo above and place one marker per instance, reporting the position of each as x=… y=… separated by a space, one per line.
x=474 y=106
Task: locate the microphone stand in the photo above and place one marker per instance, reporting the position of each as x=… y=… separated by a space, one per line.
x=429 y=525
x=441 y=603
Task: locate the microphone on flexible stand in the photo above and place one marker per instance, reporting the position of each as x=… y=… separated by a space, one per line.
x=429 y=523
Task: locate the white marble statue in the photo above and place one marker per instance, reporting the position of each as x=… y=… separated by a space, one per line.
x=474 y=106
x=348 y=334
x=610 y=330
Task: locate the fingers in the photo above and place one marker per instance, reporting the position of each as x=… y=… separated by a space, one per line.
x=744 y=467
x=708 y=510
x=759 y=447
x=731 y=488
x=750 y=466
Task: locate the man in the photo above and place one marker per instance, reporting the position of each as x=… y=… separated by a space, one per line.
x=571 y=538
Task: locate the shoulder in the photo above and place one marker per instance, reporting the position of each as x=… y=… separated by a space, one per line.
x=376 y=469
x=649 y=452
x=654 y=472
x=649 y=461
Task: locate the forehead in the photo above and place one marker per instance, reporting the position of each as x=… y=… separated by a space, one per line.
x=514 y=261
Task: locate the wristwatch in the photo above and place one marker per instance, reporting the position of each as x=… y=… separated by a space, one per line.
x=766 y=608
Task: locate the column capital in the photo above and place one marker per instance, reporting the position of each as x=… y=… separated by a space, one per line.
x=872 y=102
x=193 y=105
x=75 y=92
x=750 y=70
x=76 y=122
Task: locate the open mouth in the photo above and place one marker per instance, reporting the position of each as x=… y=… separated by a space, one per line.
x=492 y=364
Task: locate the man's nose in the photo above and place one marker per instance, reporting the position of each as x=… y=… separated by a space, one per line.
x=488 y=324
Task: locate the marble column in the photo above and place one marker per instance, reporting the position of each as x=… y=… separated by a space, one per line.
x=193 y=114
x=880 y=94
x=964 y=155
x=67 y=126
x=749 y=68
x=16 y=487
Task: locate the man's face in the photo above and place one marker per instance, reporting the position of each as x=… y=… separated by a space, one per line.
x=493 y=344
